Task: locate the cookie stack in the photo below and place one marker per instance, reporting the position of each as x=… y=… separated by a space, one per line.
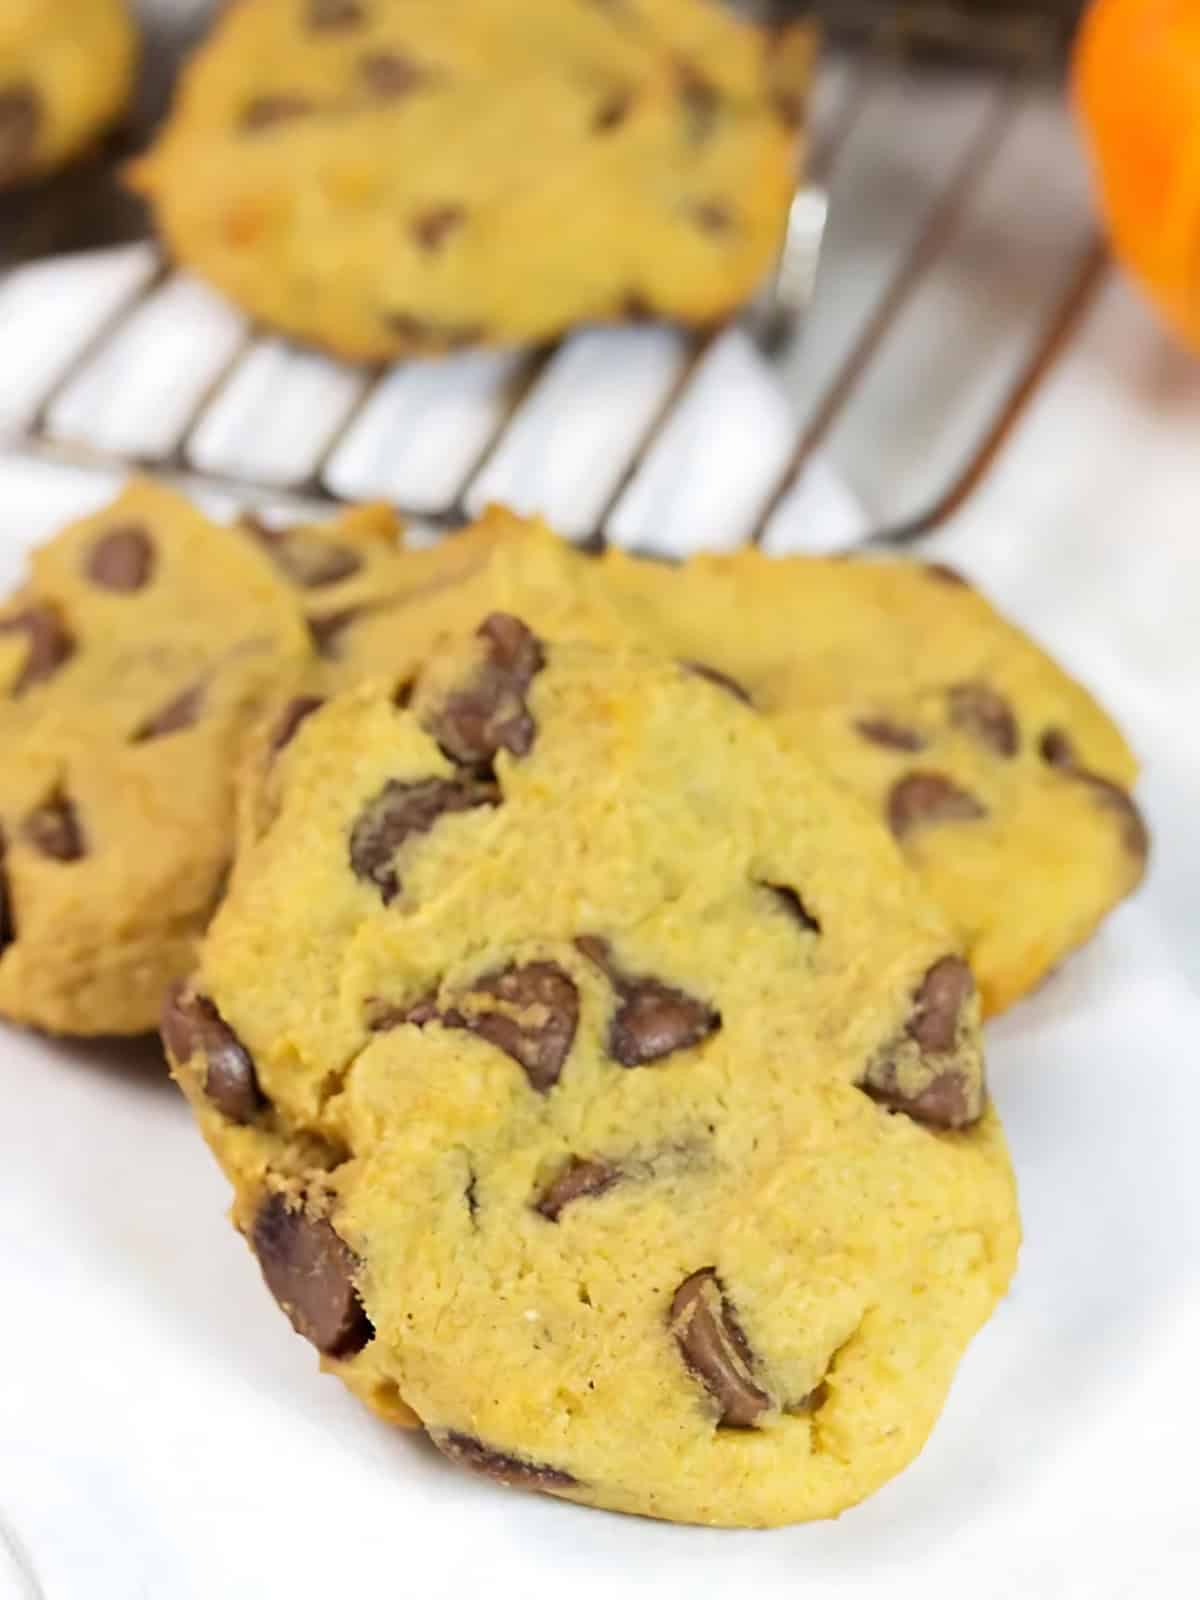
x=589 y=1023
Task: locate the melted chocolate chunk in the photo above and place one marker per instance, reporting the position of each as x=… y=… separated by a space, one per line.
x=701 y=669
x=979 y=711
x=578 y=1180
x=294 y=714
x=711 y=216
x=333 y=14
x=432 y=228
x=401 y=810
x=269 y=110
x=1135 y=836
x=390 y=75
x=794 y=906
x=514 y=1471
x=326 y=632
x=306 y=557
x=180 y=713
x=122 y=560
x=540 y=1036
x=21 y=114
x=49 y=641
x=310 y=1271
x=714 y=1347
x=926 y=799
x=700 y=101
x=489 y=713
x=950 y=1098
x=945 y=990
x=1057 y=749
x=54 y=831
x=653 y=1020
x=891 y=735
x=613 y=110
x=192 y=1026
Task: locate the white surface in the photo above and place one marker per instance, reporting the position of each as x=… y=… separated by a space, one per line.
x=163 y=1434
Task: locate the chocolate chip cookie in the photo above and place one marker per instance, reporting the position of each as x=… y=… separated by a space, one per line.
x=397 y=177
x=598 y=1086
x=144 y=646
x=66 y=74
x=1002 y=780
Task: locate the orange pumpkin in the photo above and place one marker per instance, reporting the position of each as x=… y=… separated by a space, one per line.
x=1136 y=83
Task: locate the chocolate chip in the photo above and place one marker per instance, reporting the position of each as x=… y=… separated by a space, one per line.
x=950 y=1097
x=946 y=1101
x=310 y=1271
x=701 y=669
x=1135 y=835
x=179 y=713
x=700 y=101
x=332 y=14
x=540 y=1036
x=925 y=799
x=635 y=307
x=50 y=644
x=295 y=713
x=432 y=228
x=891 y=735
x=420 y=334
x=269 y=110
x=1057 y=748
x=8 y=931
x=613 y=110
x=390 y=75
x=514 y=1471
x=653 y=1020
x=977 y=710
x=306 y=557
x=53 y=829
x=192 y=1026
x=578 y=1180
x=20 y=123
x=326 y=632
x=381 y=1016
x=401 y=810
x=122 y=560
x=712 y=217
x=945 y=990
x=794 y=906
x=713 y=1345
x=489 y=714
x=946 y=574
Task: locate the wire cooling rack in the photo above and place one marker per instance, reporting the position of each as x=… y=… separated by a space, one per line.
x=958 y=254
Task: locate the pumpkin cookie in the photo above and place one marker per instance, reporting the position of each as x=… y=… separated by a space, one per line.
x=397 y=177
x=598 y=1086
x=144 y=646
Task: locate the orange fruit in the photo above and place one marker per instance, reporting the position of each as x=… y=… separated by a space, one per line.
x=1136 y=87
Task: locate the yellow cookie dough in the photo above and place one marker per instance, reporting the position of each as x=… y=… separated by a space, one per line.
x=66 y=74
x=145 y=645
x=599 y=1086
x=388 y=177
